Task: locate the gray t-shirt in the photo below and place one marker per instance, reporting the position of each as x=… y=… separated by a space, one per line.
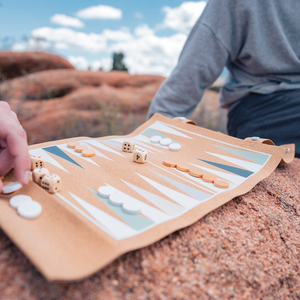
x=258 y=41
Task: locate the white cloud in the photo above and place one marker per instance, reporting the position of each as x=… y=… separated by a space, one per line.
x=183 y=17
x=150 y=54
x=138 y=15
x=81 y=63
x=117 y=35
x=106 y=63
x=100 y=12
x=143 y=30
x=145 y=52
x=65 y=38
x=66 y=21
x=32 y=44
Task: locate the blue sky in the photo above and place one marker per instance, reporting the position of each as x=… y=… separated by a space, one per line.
x=150 y=33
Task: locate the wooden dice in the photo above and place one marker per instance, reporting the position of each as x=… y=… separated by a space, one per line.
x=51 y=183
x=37 y=161
x=128 y=146
x=140 y=156
x=38 y=174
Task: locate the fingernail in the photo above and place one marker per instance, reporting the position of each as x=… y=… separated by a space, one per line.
x=26 y=177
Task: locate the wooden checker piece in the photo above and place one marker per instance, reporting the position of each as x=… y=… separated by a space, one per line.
x=17 y=200
x=174 y=147
x=80 y=148
x=209 y=178
x=11 y=187
x=196 y=173
x=170 y=163
x=182 y=167
x=88 y=152
x=30 y=210
x=72 y=145
x=165 y=142
x=221 y=184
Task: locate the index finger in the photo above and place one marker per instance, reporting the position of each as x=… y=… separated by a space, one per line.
x=1 y=184
x=18 y=148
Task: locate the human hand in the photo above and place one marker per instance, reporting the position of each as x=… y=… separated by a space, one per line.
x=13 y=145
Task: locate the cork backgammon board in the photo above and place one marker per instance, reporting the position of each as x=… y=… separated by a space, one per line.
x=79 y=232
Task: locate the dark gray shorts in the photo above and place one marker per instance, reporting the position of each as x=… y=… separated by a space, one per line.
x=275 y=116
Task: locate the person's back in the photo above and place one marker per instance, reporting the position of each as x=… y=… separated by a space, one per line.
x=259 y=43
x=264 y=46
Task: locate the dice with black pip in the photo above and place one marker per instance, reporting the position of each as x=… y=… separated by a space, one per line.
x=37 y=161
x=140 y=156
x=51 y=183
x=128 y=146
x=38 y=174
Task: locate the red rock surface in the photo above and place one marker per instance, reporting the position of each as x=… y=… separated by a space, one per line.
x=246 y=249
x=56 y=104
x=15 y=64
x=57 y=83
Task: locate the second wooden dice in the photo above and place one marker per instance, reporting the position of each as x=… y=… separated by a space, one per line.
x=38 y=174
x=140 y=156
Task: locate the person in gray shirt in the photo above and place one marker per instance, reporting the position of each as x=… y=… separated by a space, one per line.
x=259 y=42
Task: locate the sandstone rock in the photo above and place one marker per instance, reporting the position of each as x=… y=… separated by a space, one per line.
x=110 y=97
x=101 y=101
x=79 y=103
x=15 y=64
x=58 y=83
x=92 y=112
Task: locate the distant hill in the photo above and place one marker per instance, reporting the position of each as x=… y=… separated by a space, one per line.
x=63 y=102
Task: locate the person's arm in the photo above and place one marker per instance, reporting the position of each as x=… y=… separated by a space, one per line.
x=13 y=145
x=202 y=60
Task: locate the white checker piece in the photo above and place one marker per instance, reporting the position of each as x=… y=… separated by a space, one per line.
x=165 y=142
x=30 y=209
x=255 y=138
x=155 y=139
x=175 y=147
x=132 y=207
x=182 y=118
x=12 y=187
x=17 y=200
x=118 y=199
x=105 y=191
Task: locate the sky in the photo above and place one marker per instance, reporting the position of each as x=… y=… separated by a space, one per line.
x=151 y=34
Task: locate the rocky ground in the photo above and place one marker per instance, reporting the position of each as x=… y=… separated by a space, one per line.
x=246 y=249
